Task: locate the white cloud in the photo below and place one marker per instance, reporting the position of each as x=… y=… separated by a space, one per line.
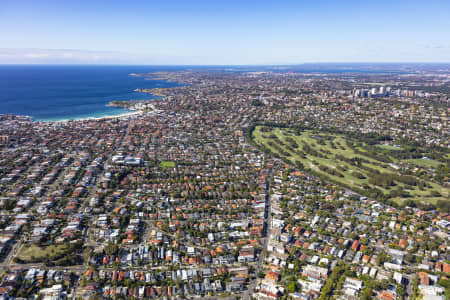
x=36 y=55
x=75 y=56
x=61 y=56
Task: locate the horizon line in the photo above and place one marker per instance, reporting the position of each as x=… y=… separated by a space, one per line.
x=222 y=65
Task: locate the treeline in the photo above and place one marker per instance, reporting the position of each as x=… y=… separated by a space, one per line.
x=390 y=179
x=329 y=170
x=311 y=151
x=374 y=155
x=278 y=148
x=332 y=282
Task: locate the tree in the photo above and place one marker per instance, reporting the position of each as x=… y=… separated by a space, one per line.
x=331 y=282
x=111 y=249
x=366 y=294
x=261 y=274
x=291 y=287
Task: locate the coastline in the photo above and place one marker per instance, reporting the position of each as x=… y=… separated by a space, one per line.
x=155 y=92
x=106 y=117
x=81 y=95
x=126 y=105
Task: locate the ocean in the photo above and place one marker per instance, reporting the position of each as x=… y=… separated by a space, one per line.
x=52 y=93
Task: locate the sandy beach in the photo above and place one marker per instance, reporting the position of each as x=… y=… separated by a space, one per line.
x=124 y=115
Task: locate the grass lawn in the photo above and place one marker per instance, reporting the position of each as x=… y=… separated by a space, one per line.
x=389 y=147
x=34 y=252
x=425 y=162
x=167 y=164
x=326 y=160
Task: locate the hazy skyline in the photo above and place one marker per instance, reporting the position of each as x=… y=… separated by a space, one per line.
x=223 y=32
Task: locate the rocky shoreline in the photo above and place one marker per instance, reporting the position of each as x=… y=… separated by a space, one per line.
x=133 y=105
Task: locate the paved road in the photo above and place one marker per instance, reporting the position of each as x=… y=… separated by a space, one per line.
x=265 y=239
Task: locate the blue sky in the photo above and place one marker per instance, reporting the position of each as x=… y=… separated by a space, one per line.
x=223 y=32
